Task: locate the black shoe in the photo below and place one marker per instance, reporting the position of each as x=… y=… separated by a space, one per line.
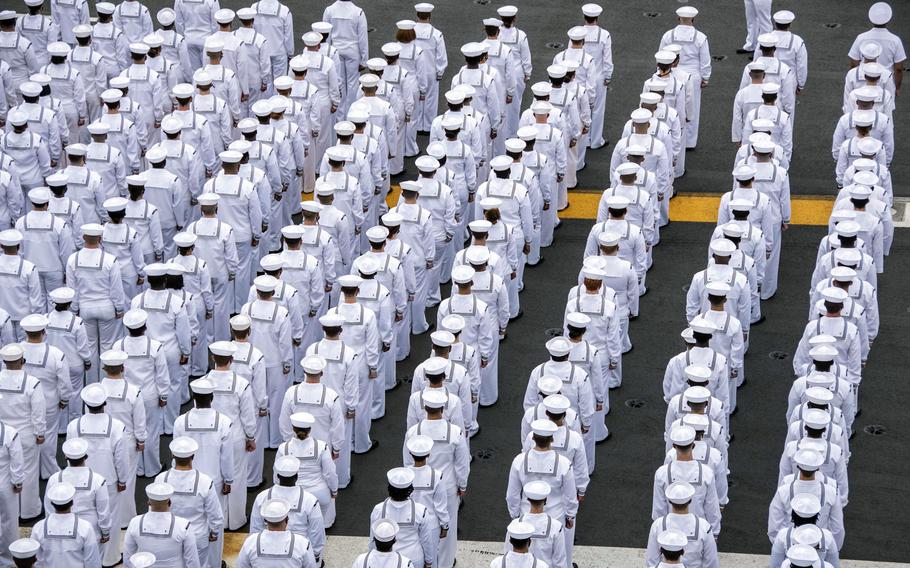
x=538 y=263
x=759 y=321
x=743 y=51
x=615 y=388
x=488 y=405
x=118 y=563
x=858 y=412
x=373 y=446
x=732 y=437
x=735 y=410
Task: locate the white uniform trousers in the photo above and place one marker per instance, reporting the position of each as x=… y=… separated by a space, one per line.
x=441 y=271
x=110 y=551
x=758 y=21
x=513 y=286
x=772 y=266
x=245 y=271
x=255 y=460
x=199 y=356
x=167 y=233
x=279 y=68
x=221 y=288
x=102 y=329
x=396 y=164
x=74 y=408
x=29 y=499
x=402 y=347
x=513 y=109
x=127 y=509
x=326 y=503
x=680 y=167
x=448 y=547
x=426 y=109
x=596 y=135
x=691 y=138
x=562 y=192
x=234 y=504
x=571 y=169
x=349 y=77
x=194 y=52
x=410 y=138
x=418 y=306
x=570 y=541
x=9 y=522
x=276 y=384
x=48 y=450
x=178 y=392
x=149 y=462
x=50 y=281
x=549 y=218
x=583 y=142
x=363 y=418
x=386 y=375
x=343 y=463
x=489 y=377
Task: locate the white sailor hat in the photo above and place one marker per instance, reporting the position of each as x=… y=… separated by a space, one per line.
x=113 y=358
x=184 y=239
x=819 y=395
x=556 y=404
x=672 y=540
x=11 y=352
x=665 y=57
x=656 y=85
x=635 y=150
x=337 y=153
x=870 y=50
x=427 y=163
x=544 y=427
x=501 y=163
x=453 y=323
x=17 y=117
x=527 y=133
x=224 y=16
x=549 y=385
x=302 y=420
x=104 y=8
x=344 y=128
x=809 y=535
x=283 y=83
x=287 y=466
x=492 y=22
x=10 y=237
x=156 y=269
x=872 y=70
x=641 y=116
x=358 y=114
x=805 y=505
x=880 y=13
x=761 y=143
x=454 y=97
x=442 y=338
x=649 y=98
x=384 y=530
x=350 y=281
x=697 y=373
x=537 y=490
x=434 y=398
x=822 y=339
x=298 y=64
x=58 y=49
x=271 y=262
x=424 y=7
x=555 y=71
x=62 y=295
x=143 y=560
x=687 y=12
x=41 y=195
x=93 y=395
x=515 y=145
x=732 y=229
x=834 y=295
x=808 y=459
x=377 y=234
x=391 y=219
x=863 y=117
x=223 y=348
x=202 y=386
x=682 y=436
x=541 y=107
x=698 y=422
x=802 y=556
x=687 y=336
x=139 y=48
x=265 y=283
x=153 y=40
x=274 y=510
x=213 y=45
x=24 y=548
x=91 y=230
x=617 y=202
x=680 y=492
x=61 y=493
x=405 y=24
x=156 y=154
x=577 y=33
x=111 y=95
x=863 y=177
x=722 y=247
x=279 y=104
x=578 y=319
x=784 y=17
x=768 y=39
x=7 y=15
x=112 y=204
x=321 y=27
x=75 y=448
x=860 y=192
x=508 y=11
x=166 y=16
x=369 y=80
x=332 y=320
x=171 y=125
x=608 y=239
x=85 y=30
x=419 y=445
x=136 y=180
x=590 y=273
x=240 y=322
x=368 y=266
x=591 y=10
x=488 y=203
x=135 y=318
x=246 y=13
x=183 y=447
x=594 y=263
x=717 y=288
x=44 y=79
x=400 y=477
x=558 y=346
x=628 y=168
x=762 y=125
x=477 y=255
x=311 y=38
x=261 y=108
x=757 y=66
x=770 y=88
x=697 y=394
x=462 y=274
x=207 y=199
x=869 y=146
x=520 y=530
x=843 y=273
x=30 y=89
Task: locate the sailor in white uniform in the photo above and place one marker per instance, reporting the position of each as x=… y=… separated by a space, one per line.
x=159 y=531
x=12 y=476
x=382 y=553
x=66 y=539
x=518 y=551
x=277 y=546
x=195 y=498
x=547 y=543
x=45 y=240
x=418 y=536
x=317 y=467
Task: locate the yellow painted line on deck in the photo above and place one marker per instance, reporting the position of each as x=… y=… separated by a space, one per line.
x=686 y=207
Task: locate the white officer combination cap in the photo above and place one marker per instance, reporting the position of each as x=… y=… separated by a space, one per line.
x=202 y=386
x=544 y=427
x=113 y=358
x=62 y=295
x=93 y=395
x=24 y=548
x=880 y=13
x=313 y=364
x=274 y=510
x=143 y=560
x=75 y=448
x=183 y=447
x=302 y=420
x=679 y=492
x=537 y=490
x=10 y=237
x=61 y=494
x=384 y=530
x=400 y=477
x=453 y=323
x=520 y=530
x=287 y=466
x=419 y=446
x=672 y=540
